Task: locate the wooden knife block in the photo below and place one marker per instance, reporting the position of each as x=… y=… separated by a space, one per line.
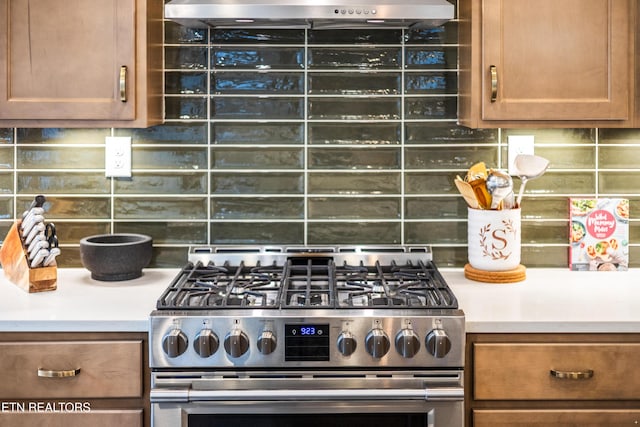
x=15 y=264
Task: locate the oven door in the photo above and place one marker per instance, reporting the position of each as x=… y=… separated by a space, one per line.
x=309 y=400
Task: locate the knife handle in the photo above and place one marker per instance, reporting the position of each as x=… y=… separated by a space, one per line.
x=53 y=253
x=38 y=228
x=39 y=257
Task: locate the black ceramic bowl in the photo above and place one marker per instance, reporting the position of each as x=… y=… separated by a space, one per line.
x=114 y=257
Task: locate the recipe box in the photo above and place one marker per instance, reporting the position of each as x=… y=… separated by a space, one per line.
x=599 y=234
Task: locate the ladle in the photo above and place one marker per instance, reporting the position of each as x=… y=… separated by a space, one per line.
x=499 y=185
x=528 y=167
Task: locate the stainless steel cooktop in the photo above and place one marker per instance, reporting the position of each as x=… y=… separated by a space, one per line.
x=255 y=307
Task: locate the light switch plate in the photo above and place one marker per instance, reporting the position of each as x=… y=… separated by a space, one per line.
x=519 y=144
x=117 y=156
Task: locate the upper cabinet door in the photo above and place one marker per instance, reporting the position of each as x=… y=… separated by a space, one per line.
x=552 y=63
x=64 y=59
x=70 y=60
x=555 y=59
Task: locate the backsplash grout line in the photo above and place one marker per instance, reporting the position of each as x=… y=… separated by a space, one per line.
x=209 y=139
x=597 y=162
x=14 y=161
x=305 y=141
x=403 y=116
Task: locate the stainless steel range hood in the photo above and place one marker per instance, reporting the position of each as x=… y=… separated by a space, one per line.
x=315 y=14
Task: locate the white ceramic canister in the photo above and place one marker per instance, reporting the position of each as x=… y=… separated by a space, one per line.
x=493 y=237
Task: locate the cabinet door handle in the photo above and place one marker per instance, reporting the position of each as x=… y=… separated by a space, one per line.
x=123 y=83
x=47 y=373
x=494 y=82
x=572 y=375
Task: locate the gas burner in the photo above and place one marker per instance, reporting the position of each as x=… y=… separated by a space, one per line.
x=308 y=284
x=313 y=300
x=393 y=285
x=212 y=286
x=308 y=279
x=211 y=267
x=372 y=299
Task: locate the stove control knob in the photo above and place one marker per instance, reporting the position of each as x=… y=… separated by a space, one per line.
x=175 y=343
x=206 y=343
x=346 y=343
x=407 y=343
x=377 y=343
x=236 y=343
x=266 y=343
x=438 y=343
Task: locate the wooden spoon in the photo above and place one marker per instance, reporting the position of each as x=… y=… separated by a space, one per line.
x=483 y=197
x=467 y=192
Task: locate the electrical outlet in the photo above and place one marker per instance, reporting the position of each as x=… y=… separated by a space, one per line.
x=117 y=156
x=519 y=144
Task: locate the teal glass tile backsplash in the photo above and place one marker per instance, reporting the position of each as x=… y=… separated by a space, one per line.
x=307 y=137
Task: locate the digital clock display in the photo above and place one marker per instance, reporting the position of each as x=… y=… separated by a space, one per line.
x=308 y=330
x=306 y=342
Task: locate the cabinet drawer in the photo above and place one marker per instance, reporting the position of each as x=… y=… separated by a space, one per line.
x=523 y=371
x=99 y=418
x=106 y=369
x=558 y=418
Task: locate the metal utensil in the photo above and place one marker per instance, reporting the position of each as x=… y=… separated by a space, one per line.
x=509 y=201
x=528 y=167
x=499 y=185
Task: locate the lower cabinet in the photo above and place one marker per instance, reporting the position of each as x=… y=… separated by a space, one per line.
x=553 y=380
x=74 y=379
x=560 y=417
x=95 y=418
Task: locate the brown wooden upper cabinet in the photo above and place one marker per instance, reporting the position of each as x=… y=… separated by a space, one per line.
x=80 y=63
x=558 y=63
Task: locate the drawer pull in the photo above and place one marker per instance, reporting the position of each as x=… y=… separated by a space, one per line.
x=46 y=373
x=572 y=375
x=123 y=83
x=493 y=70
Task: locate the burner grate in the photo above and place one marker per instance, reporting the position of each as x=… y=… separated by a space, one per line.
x=408 y=285
x=301 y=283
x=198 y=286
x=309 y=285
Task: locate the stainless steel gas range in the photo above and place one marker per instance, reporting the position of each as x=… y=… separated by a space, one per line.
x=307 y=336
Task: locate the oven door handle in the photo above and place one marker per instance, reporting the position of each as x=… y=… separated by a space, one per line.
x=161 y=395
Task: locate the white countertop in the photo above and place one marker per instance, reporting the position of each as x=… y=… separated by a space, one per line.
x=549 y=300
x=82 y=304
